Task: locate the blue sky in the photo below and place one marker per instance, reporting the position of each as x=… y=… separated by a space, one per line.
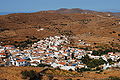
x=38 y=5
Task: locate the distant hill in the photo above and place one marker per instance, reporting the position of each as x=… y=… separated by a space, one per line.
x=111 y=10
x=5 y=13
x=77 y=10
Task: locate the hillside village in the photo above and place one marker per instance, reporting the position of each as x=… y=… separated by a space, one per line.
x=53 y=51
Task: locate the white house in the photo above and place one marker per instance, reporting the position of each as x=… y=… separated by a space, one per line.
x=55 y=65
x=21 y=62
x=2 y=55
x=9 y=47
x=67 y=67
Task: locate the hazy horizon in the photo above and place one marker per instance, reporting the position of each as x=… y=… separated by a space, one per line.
x=109 y=10
x=41 y=5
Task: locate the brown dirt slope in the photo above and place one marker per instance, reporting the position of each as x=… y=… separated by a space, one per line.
x=14 y=73
x=92 y=27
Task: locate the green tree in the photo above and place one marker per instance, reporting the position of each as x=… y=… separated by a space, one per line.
x=113 y=78
x=32 y=75
x=43 y=65
x=110 y=61
x=95 y=63
x=82 y=69
x=86 y=59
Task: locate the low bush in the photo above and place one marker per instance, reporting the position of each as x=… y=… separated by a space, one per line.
x=113 y=78
x=31 y=75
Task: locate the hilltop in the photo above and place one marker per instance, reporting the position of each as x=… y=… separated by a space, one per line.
x=91 y=26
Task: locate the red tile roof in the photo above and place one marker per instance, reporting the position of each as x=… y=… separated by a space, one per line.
x=63 y=63
x=8 y=46
x=21 y=60
x=2 y=54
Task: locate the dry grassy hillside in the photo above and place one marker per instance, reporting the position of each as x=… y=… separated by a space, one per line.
x=92 y=27
x=14 y=73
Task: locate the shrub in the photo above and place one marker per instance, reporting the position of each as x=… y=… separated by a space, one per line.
x=98 y=72
x=69 y=79
x=70 y=70
x=83 y=69
x=118 y=34
x=86 y=59
x=24 y=74
x=98 y=68
x=113 y=78
x=44 y=65
x=95 y=63
x=29 y=74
